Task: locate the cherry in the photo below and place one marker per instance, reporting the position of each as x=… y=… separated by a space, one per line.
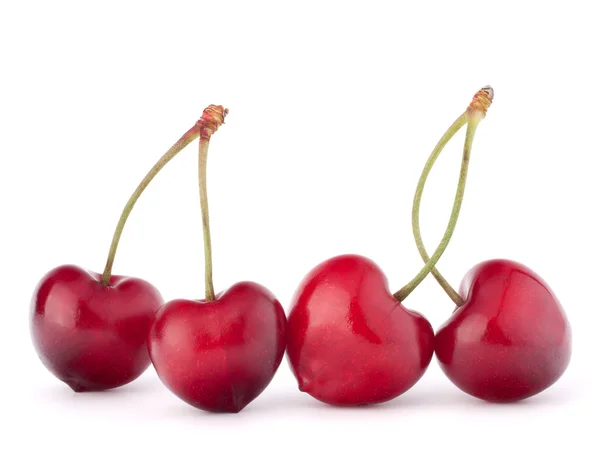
x=89 y=335
x=350 y=341
x=89 y=330
x=218 y=354
x=509 y=337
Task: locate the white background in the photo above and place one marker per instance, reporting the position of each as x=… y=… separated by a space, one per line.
x=334 y=107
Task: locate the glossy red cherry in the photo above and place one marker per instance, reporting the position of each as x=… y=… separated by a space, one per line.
x=91 y=336
x=510 y=340
x=350 y=342
x=219 y=356
x=91 y=330
x=220 y=353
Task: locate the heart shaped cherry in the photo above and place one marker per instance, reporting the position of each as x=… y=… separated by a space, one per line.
x=90 y=331
x=350 y=341
x=220 y=353
x=509 y=337
x=89 y=335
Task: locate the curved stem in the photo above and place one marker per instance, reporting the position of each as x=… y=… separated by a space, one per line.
x=458 y=123
x=186 y=139
x=202 y=160
x=473 y=121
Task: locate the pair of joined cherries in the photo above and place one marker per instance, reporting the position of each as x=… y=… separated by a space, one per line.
x=349 y=340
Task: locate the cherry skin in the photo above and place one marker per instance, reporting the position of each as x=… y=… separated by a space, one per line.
x=350 y=342
x=510 y=340
x=218 y=356
x=91 y=336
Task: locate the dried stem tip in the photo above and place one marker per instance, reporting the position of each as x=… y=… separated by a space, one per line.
x=212 y=118
x=482 y=101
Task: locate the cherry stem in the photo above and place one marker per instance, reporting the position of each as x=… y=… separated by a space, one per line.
x=186 y=139
x=463 y=119
x=472 y=116
x=213 y=117
x=202 y=159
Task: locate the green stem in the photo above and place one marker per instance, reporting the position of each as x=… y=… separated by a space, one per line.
x=202 y=160
x=473 y=121
x=186 y=139
x=417 y=204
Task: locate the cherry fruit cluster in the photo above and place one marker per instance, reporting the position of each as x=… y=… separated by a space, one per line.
x=349 y=340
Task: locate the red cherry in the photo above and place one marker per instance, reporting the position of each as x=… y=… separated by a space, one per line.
x=91 y=330
x=509 y=337
x=91 y=336
x=510 y=340
x=350 y=342
x=219 y=356
x=220 y=353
